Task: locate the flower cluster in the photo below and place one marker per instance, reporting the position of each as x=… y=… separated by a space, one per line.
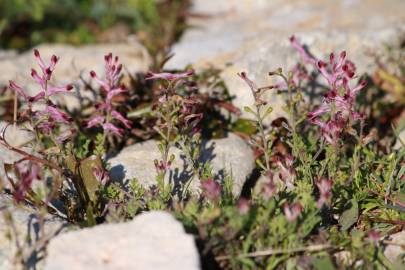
x=292 y=212
x=211 y=189
x=46 y=119
x=339 y=101
x=112 y=88
x=187 y=117
x=102 y=175
x=325 y=191
x=269 y=189
x=286 y=170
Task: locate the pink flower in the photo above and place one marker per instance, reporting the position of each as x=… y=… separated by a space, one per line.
x=46 y=119
x=243 y=206
x=56 y=115
x=112 y=73
x=249 y=82
x=61 y=89
x=292 y=213
x=211 y=189
x=161 y=166
x=14 y=86
x=332 y=129
x=373 y=236
x=65 y=135
x=121 y=118
x=47 y=127
x=286 y=170
x=46 y=76
x=28 y=173
x=115 y=92
x=339 y=101
x=95 y=121
x=323 y=109
x=304 y=54
x=110 y=84
x=46 y=70
x=325 y=190
x=101 y=175
x=113 y=129
x=257 y=92
x=269 y=189
x=193 y=119
x=46 y=90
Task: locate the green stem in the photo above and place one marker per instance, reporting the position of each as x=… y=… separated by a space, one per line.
x=264 y=139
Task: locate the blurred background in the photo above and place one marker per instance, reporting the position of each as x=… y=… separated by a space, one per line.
x=26 y=23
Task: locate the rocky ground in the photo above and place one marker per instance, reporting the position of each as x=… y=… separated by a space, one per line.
x=233 y=35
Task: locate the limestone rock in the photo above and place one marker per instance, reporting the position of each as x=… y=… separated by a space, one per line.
x=230 y=155
x=27 y=228
x=16 y=136
x=5 y=54
x=393 y=251
x=153 y=240
x=252 y=36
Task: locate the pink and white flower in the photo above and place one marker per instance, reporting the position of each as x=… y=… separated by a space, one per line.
x=110 y=84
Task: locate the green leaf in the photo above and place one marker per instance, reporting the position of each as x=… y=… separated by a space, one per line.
x=309 y=224
x=245 y=126
x=84 y=169
x=350 y=215
x=323 y=263
x=247 y=262
x=86 y=172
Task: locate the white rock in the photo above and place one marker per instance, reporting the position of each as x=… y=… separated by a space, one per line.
x=5 y=54
x=27 y=228
x=153 y=240
x=230 y=155
x=252 y=36
x=73 y=63
x=393 y=251
x=17 y=137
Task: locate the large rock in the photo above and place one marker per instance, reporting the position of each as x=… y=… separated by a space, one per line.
x=393 y=251
x=17 y=137
x=153 y=240
x=229 y=155
x=75 y=63
x=5 y=54
x=252 y=36
x=26 y=226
